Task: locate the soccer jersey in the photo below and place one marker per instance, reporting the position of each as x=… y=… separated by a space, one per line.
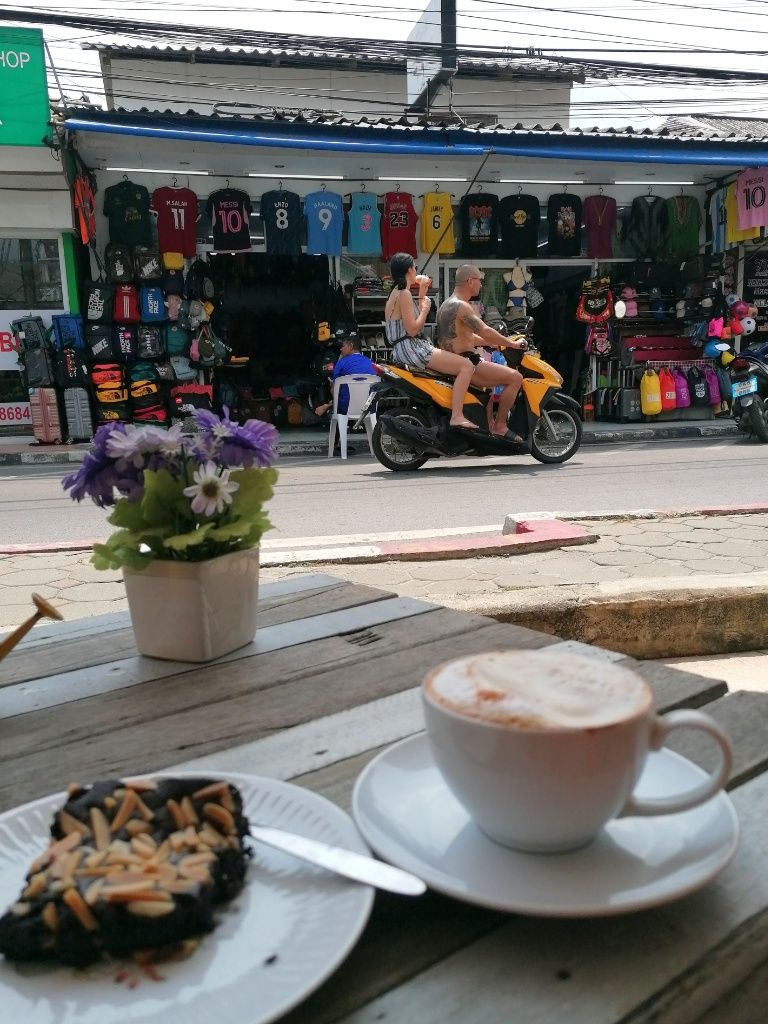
x=564 y=220
x=325 y=219
x=437 y=224
x=176 y=210
x=126 y=206
x=364 y=225
x=600 y=221
x=718 y=220
x=281 y=213
x=733 y=233
x=752 y=198
x=519 y=217
x=229 y=210
x=398 y=225
x=479 y=215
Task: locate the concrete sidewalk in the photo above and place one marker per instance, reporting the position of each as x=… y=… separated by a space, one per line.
x=16 y=450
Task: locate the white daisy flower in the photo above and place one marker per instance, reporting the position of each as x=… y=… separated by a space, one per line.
x=210 y=492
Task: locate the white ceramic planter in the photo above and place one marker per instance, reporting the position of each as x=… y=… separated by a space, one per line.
x=194 y=611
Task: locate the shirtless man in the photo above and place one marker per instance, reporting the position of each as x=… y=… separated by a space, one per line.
x=462 y=331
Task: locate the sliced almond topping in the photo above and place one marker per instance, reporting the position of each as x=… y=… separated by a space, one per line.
x=95 y=859
x=145 y=908
x=176 y=813
x=146 y=813
x=20 y=909
x=163 y=852
x=126 y=809
x=110 y=803
x=64 y=845
x=129 y=878
x=35 y=886
x=74 y=789
x=64 y=865
x=190 y=836
x=137 y=827
x=69 y=823
x=50 y=916
x=164 y=873
x=97 y=872
x=93 y=892
x=189 y=812
x=128 y=860
x=203 y=857
x=182 y=886
x=197 y=872
x=208 y=792
x=219 y=816
x=100 y=827
x=80 y=909
x=144 y=846
x=140 y=785
x=177 y=841
x=211 y=836
x=41 y=862
x=131 y=891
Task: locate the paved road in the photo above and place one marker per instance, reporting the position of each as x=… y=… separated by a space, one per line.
x=316 y=497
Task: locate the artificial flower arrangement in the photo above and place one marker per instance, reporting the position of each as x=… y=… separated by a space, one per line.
x=176 y=497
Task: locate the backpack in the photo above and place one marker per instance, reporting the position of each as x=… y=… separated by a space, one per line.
x=31 y=337
x=98 y=342
x=124 y=343
x=668 y=395
x=182 y=368
x=183 y=318
x=68 y=331
x=125 y=309
x=173 y=283
x=176 y=340
x=98 y=300
x=147 y=401
x=199 y=284
x=650 y=393
x=119 y=263
x=713 y=386
x=186 y=398
x=152 y=304
x=598 y=340
x=150 y=343
x=147 y=264
x=697 y=386
x=207 y=350
x=70 y=369
x=682 y=394
x=110 y=392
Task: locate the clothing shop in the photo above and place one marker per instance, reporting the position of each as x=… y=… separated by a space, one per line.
x=229 y=253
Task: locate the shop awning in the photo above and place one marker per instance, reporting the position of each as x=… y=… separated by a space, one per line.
x=334 y=133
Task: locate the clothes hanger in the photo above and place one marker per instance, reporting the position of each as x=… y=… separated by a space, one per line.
x=323 y=187
x=565 y=189
x=519 y=190
x=601 y=190
x=397 y=188
x=174 y=182
x=363 y=187
x=227 y=185
x=280 y=186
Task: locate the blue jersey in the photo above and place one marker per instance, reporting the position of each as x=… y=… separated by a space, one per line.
x=325 y=218
x=364 y=225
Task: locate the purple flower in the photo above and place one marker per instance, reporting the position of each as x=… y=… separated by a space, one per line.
x=233 y=445
x=98 y=476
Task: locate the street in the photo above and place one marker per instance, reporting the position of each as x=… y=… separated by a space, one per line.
x=316 y=497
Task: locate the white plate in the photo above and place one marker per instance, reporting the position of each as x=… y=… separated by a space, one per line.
x=410 y=818
x=305 y=917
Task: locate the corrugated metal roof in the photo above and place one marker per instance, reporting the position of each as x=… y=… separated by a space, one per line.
x=718 y=126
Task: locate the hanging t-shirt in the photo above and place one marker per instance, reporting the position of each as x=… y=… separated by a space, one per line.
x=519 y=217
x=281 y=213
x=600 y=222
x=733 y=233
x=126 y=206
x=645 y=228
x=364 y=225
x=564 y=220
x=752 y=198
x=176 y=210
x=479 y=216
x=229 y=210
x=398 y=225
x=717 y=220
x=325 y=219
x=437 y=224
x=683 y=225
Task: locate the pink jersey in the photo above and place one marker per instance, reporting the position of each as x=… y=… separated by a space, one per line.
x=752 y=198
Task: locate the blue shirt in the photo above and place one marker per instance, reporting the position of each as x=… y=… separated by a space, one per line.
x=325 y=218
x=354 y=363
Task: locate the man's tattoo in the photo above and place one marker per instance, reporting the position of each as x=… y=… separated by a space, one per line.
x=446 y=320
x=474 y=323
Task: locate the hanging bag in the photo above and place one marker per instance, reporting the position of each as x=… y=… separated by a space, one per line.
x=147 y=264
x=650 y=393
x=152 y=304
x=119 y=264
x=682 y=394
x=98 y=300
x=668 y=395
x=697 y=385
x=125 y=309
x=713 y=386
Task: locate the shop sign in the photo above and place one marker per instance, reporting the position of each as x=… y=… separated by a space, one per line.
x=15 y=414
x=756 y=288
x=24 y=109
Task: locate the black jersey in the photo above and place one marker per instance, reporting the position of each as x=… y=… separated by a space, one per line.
x=283 y=217
x=229 y=210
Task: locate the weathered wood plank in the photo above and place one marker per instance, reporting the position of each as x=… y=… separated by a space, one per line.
x=676 y=688
x=88 y=650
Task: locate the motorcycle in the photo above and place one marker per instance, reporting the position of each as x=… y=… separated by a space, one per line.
x=413 y=409
x=749 y=391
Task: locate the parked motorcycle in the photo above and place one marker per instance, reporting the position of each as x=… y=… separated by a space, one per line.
x=749 y=390
x=413 y=409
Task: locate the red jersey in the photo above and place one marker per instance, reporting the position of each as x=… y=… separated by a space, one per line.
x=176 y=210
x=398 y=225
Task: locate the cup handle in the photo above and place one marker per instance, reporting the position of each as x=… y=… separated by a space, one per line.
x=662 y=726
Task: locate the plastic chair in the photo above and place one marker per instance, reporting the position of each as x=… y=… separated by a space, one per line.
x=359 y=385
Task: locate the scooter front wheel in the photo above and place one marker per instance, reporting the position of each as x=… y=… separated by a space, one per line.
x=757 y=419
x=394 y=452
x=566 y=427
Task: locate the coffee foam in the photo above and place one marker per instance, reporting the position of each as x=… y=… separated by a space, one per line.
x=539 y=690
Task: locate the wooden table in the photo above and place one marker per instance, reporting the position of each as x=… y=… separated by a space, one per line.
x=331 y=679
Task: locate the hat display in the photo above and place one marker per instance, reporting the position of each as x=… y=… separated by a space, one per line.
x=619 y=309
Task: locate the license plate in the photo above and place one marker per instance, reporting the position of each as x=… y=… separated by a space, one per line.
x=744 y=387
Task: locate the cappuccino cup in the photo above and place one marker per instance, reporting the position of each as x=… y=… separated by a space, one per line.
x=544 y=748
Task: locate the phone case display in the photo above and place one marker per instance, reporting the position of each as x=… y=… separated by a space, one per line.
x=398 y=225
x=364 y=224
x=126 y=207
x=683 y=227
x=437 y=224
x=229 y=210
x=325 y=219
x=519 y=218
x=479 y=218
x=177 y=212
x=282 y=216
x=600 y=215
x=564 y=220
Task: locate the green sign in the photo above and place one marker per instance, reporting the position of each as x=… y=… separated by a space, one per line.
x=24 y=112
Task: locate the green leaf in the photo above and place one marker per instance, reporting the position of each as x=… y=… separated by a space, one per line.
x=182 y=541
x=164 y=500
x=231 y=531
x=256 y=487
x=128 y=514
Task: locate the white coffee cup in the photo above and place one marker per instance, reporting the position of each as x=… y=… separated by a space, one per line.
x=542 y=749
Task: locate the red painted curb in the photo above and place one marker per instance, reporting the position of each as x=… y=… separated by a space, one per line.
x=531 y=535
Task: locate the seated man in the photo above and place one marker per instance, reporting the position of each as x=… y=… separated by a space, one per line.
x=351 y=360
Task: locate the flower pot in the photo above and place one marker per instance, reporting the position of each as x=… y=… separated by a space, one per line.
x=194 y=611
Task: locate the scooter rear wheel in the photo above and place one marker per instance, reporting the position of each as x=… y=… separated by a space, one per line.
x=394 y=453
x=757 y=419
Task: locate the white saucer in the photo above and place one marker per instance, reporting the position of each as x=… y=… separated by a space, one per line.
x=409 y=817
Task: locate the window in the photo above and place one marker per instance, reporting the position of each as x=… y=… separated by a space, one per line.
x=30 y=274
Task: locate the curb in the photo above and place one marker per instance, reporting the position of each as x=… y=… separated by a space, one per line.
x=752 y=508
x=660 y=433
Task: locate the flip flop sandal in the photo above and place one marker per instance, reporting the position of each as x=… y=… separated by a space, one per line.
x=509 y=436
